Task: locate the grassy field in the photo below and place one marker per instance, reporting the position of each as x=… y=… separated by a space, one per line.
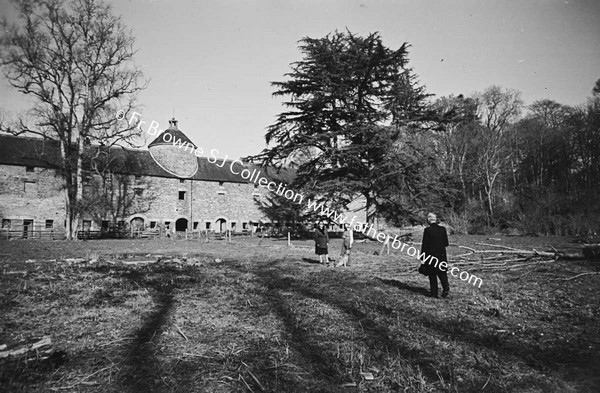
x=244 y=317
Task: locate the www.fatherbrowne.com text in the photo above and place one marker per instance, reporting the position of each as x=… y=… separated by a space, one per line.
x=237 y=168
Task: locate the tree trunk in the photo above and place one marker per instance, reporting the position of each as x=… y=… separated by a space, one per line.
x=370 y=209
x=461 y=175
x=74 y=192
x=490 y=205
x=79 y=180
x=68 y=218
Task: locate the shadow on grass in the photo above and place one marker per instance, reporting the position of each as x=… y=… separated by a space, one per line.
x=405 y=286
x=141 y=369
x=376 y=320
x=140 y=363
x=310 y=260
x=329 y=372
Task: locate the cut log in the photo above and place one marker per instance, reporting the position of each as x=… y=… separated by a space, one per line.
x=38 y=348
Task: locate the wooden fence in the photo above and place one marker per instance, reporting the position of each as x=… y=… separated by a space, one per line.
x=202 y=235
x=25 y=233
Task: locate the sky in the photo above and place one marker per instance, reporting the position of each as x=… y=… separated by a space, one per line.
x=210 y=63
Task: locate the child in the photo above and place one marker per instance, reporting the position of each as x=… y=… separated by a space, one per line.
x=348 y=238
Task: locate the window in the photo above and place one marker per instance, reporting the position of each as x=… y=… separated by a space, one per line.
x=49 y=224
x=105 y=225
x=5 y=223
x=139 y=192
x=29 y=168
x=152 y=224
x=121 y=224
x=244 y=225
x=30 y=187
x=220 y=184
x=181 y=195
x=167 y=224
x=181 y=180
x=221 y=189
x=233 y=225
x=195 y=224
x=87 y=225
x=208 y=225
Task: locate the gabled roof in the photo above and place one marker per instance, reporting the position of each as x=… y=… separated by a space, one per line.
x=29 y=151
x=46 y=154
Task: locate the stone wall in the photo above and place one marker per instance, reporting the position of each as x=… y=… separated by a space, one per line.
x=202 y=202
x=38 y=196
x=33 y=196
x=200 y=205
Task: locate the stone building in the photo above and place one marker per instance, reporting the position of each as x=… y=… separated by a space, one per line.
x=180 y=191
x=167 y=188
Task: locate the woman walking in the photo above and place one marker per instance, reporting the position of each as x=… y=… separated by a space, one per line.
x=321 y=242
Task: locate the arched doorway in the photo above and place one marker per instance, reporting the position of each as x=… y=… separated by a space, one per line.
x=221 y=225
x=181 y=225
x=137 y=223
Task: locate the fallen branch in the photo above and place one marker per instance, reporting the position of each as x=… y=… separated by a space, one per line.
x=260 y=386
x=531 y=264
x=502 y=251
x=182 y=333
x=246 y=383
x=497 y=245
x=82 y=381
x=582 y=274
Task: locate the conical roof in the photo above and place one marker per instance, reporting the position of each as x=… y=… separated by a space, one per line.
x=171 y=136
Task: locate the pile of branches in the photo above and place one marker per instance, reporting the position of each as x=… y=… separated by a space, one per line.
x=508 y=258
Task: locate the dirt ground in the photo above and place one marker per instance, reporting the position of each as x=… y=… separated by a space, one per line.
x=191 y=316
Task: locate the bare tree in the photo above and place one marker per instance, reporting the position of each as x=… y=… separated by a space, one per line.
x=114 y=187
x=456 y=142
x=75 y=59
x=497 y=109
